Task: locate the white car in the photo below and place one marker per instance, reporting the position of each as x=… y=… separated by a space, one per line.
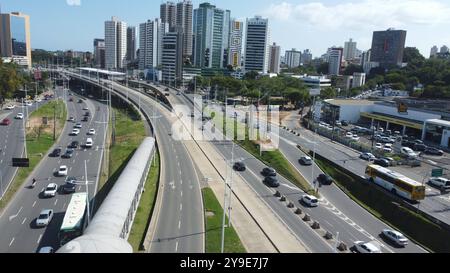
x=363 y=247
x=19 y=116
x=46 y=250
x=379 y=146
x=45 y=217
x=367 y=156
x=85 y=108
x=62 y=171
x=89 y=143
x=51 y=190
x=408 y=152
x=388 y=148
x=75 y=132
x=91 y=132
x=72 y=119
x=10 y=107
x=78 y=125
x=310 y=200
x=349 y=135
x=28 y=103
x=38 y=100
x=440 y=182
x=395 y=237
x=355 y=138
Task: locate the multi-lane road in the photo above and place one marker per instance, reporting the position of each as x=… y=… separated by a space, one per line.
x=17 y=222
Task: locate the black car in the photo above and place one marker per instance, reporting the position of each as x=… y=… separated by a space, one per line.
x=74 y=145
x=419 y=147
x=56 y=152
x=87 y=114
x=271 y=181
x=70 y=186
x=433 y=151
x=381 y=162
x=68 y=154
x=239 y=166
x=269 y=172
x=85 y=119
x=80 y=101
x=344 y=123
x=325 y=179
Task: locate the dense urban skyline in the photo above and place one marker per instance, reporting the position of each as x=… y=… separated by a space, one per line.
x=423 y=21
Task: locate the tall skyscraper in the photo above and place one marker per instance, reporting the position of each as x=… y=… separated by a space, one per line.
x=350 y=50
x=306 y=57
x=235 y=43
x=99 y=53
x=434 y=51
x=335 y=60
x=209 y=36
x=168 y=14
x=148 y=44
x=388 y=47
x=172 y=57
x=444 y=49
x=293 y=58
x=131 y=44
x=274 y=64
x=184 y=20
x=257 y=45
x=115 y=44
x=15 y=41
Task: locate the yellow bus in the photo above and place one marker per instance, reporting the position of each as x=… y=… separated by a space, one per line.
x=396 y=183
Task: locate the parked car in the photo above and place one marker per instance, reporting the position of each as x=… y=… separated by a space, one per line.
x=355 y=138
x=269 y=172
x=344 y=123
x=271 y=181
x=363 y=247
x=10 y=107
x=51 y=190
x=433 y=151
x=367 y=156
x=306 y=161
x=349 y=135
x=419 y=147
x=440 y=182
x=382 y=162
x=387 y=148
x=325 y=179
x=408 y=152
x=396 y=237
x=379 y=146
x=310 y=200
x=45 y=217
x=239 y=166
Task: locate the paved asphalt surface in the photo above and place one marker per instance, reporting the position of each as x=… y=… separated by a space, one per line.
x=336 y=213
x=180 y=224
x=17 y=223
x=12 y=142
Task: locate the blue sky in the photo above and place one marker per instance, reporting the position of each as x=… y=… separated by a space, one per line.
x=301 y=24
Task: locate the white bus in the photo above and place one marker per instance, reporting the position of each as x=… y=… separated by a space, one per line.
x=396 y=183
x=74 y=219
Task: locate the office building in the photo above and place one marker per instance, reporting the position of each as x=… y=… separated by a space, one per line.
x=99 y=53
x=306 y=57
x=335 y=57
x=115 y=44
x=444 y=49
x=350 y=50
x=209 y=36
x=359 y=79
x=235 y=43
x=388 y=47
x=274 y=57
x=15 y=40
x=257 y=45
x=434 y=51
x=293 y=58
x=172 y=57
x=168 y=14
x=131 y=44
x=148 y=44
x=184 y=20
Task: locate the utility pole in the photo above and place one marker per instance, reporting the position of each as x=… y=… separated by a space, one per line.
x=54 y=122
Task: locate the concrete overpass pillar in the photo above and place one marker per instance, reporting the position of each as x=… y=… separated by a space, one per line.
x=371 y=124
x=387 y=125
x=404 y=130
x=424 y=130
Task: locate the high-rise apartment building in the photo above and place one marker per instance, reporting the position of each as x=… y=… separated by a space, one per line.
x=257 y=45
x=209 y=35
x=293 y=58
x=115 y=44
x=148 y=44
x=388 y=47
x=168 y=14
x=335 y=60
x=235 y=43
x=15 y=41
x=434 y=51
x=444 y=49
x=274 y=57
x=172 y=57
x=306 y=57
x=131 y=44
x=184 y=20
x=350 y=50
x=99 y=53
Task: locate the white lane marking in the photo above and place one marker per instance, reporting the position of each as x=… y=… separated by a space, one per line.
x=64 y=207
x=34 y=204
x=40 y=237
x=56 y=201
x=24 y=219
x=181 y=207
x=176 y=247
x=10 y=243
x=14 y=216
x=181 y=194
x=179 y=224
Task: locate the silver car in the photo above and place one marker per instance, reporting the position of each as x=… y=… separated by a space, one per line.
x=45 y=217
x=395 y=237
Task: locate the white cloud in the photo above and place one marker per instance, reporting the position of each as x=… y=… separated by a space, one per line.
x=366 y=14
x=73 y=2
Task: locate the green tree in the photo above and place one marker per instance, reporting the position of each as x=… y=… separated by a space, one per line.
x=328 y=93
x=353 y=68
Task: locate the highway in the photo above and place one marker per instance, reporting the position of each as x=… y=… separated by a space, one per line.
x=17 y=223
x=12 y=143
x=352 y=222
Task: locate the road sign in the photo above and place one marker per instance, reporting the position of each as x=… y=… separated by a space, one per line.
x=21 y=162
x=437 y=172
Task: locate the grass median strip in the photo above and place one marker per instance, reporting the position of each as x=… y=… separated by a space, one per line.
x=39 y=141
x=213 y=237
x=146 y=206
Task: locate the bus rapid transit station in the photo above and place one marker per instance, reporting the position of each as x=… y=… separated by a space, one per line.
x=422 y=120
x=110 y=227
x=101 y=74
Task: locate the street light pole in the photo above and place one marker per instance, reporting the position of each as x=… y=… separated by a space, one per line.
x=87 y=191
x=231 y=185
